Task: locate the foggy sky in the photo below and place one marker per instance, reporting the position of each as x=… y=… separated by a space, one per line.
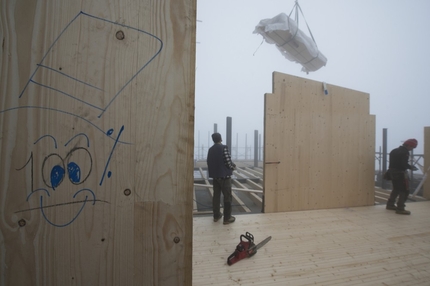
x=380 y=47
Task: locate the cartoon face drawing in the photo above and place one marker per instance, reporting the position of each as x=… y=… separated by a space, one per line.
x=76 y=166
x=58 y=177
x=65 y=172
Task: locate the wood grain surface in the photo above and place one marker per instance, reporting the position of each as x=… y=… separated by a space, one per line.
x=96 y=142
x=324 y=145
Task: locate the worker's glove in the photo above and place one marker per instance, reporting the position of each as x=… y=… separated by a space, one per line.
x=234 y=166
x=413 y=168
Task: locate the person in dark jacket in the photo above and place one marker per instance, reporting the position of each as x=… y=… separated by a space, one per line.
x=220 y=168
x=399 y=164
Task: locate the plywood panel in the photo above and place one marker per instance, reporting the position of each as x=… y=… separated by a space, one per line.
x=324 y=145
x=96 y=153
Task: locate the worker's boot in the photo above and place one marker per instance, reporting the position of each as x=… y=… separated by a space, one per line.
x=403 y=196
x=230 y=220
x=391 y=207
x=403 y=211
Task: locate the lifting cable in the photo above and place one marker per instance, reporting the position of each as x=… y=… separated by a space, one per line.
x=297 y=8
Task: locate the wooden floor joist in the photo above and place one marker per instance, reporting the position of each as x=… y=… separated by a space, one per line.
x=348 y=246
x=256 y=199
x=256 y=171
x=246 y=173
x=250 y=182
x=195 y=209
x=255 y=185
x=238 y=200
x=233 y=188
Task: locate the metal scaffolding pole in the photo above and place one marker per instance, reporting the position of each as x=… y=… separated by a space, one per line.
x=256 y=148
x=228 y=135
x=384 y=155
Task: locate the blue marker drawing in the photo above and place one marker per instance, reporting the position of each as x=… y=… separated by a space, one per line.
x=84 y=202
x=53 y=172
x=74 y=172
x=110 y=155
x=87 y=82
x=57 y=176
x=81 y=72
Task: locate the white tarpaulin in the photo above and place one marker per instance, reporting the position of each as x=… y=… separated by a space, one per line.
x=295 y=45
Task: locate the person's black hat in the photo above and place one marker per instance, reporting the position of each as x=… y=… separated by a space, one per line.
x=216 y=137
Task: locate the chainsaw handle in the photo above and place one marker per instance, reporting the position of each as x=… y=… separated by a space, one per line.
x=248 y=236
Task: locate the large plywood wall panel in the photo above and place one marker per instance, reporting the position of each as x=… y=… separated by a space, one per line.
x=319 y=149
x=426 y=187
x=96 y=132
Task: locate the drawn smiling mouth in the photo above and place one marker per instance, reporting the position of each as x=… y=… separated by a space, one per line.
x=90 y=197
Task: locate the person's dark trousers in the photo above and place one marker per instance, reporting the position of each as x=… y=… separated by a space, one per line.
x=400 y=189
x=222 y=186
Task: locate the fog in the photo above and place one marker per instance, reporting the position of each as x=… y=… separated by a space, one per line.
x=380 y=47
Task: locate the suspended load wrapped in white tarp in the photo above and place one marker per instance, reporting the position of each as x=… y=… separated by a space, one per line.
x=295 y=45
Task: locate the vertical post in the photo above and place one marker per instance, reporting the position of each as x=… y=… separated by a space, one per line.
x=198 y=144
x=228 y=133
x=237 y=146
x=380 y=177
x=215 y=131
x=256 y=148
x=260 y=158
x=384 y=155
x=246 y=147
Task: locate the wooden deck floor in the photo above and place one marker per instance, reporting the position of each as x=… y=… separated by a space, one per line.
x=349 y=246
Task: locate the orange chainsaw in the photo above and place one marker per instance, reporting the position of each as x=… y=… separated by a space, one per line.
x=246 y=248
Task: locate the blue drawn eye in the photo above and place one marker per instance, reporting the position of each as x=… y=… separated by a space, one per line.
x=53 y=170
x=57 y=174
x=74 y=172
x=79 y=165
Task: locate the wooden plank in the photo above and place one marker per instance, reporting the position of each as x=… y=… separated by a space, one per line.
x=344 y=246
x=195 y=208
x=244 y=173
x=257 y=172
x=94 y=186
x=237 y=199
x=256 y=199
x=240 y=175
x=233 y=188
x=207 y=185
x=254 y=184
